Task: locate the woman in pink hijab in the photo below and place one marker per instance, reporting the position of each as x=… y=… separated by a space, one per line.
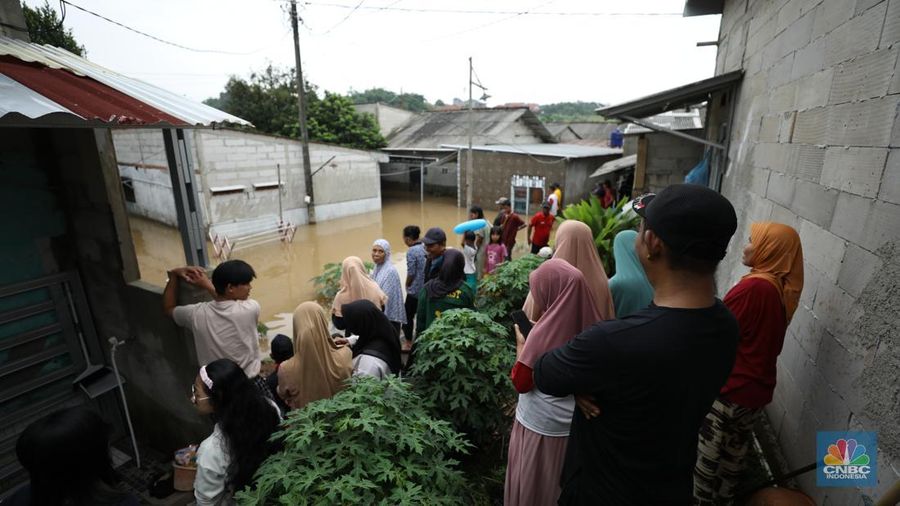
x=575 y=245
x=540 y=433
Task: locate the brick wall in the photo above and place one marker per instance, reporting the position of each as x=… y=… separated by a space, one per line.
x=815 y=145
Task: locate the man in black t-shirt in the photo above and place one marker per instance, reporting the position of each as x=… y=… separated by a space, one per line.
x=644 y=383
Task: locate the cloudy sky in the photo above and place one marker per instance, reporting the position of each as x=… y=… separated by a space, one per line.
x=524 y=50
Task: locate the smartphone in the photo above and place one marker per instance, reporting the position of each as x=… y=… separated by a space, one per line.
x=519 y=318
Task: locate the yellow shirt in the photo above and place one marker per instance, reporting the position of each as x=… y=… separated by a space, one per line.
x=558 y=193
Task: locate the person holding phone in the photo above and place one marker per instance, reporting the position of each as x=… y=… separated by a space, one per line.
x=537 y=444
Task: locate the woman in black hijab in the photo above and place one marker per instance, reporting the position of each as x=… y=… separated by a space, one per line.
x=377 y=351
x=447 y=291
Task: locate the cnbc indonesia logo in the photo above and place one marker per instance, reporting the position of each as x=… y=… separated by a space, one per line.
x=847 y=459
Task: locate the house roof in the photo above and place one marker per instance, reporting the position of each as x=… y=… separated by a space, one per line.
x=554 y=150
x=48 y=86
x=615 y=165
x=672 y=120
x=703 y=7
x=688 y=94
x=434 y=129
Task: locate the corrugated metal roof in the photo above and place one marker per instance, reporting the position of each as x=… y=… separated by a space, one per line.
x=28 y=103
x=688 y=94
x=615 y=165
x=433 y=129
x=189 y=112
x=671 y=120
x=554 y=150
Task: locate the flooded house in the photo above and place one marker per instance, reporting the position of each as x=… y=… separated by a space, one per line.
x=247 y=183
x=429 y=144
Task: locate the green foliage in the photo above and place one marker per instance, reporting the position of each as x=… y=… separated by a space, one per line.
x=372 y=443
x=409 y=101
x=505 y=289
x=605 y=223
x=571 y=111
x=45 y=27
x=334 y=120
x=328 y=283
x=269 y=101
x=461 y=369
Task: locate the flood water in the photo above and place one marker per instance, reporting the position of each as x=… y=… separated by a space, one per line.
x=284 y=269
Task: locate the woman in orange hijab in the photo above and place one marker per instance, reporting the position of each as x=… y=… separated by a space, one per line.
x=763 y=302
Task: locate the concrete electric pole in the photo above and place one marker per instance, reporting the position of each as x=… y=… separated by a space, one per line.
x=304 y=132
x=469 y=175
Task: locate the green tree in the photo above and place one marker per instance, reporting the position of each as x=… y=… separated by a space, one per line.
x=571 y=111
x=409 y=101
x=268 y=99
x=333 y=119
x=45 y=27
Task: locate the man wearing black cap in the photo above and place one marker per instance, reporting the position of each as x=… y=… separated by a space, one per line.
x=644 y=383
x=435 y=242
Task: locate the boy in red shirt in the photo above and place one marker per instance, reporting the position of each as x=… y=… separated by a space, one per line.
x=542 y=223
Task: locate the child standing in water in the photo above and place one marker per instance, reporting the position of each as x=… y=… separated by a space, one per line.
x=469 y=252
x=495 y=251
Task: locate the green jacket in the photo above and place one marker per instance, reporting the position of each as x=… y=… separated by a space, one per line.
x=429 y=309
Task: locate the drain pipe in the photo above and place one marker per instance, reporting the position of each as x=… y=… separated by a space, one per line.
x=113 y=344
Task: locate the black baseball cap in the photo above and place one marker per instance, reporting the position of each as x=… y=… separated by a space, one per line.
x=434 y=235
x=690 y=219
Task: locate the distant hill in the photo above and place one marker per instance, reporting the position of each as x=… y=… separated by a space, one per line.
x=571 y=111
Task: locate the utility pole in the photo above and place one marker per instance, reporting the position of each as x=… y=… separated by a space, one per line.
x=470 y=177
x=304 y=133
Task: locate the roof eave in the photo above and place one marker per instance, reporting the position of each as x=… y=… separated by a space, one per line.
x=703 y=7
x=674 y=98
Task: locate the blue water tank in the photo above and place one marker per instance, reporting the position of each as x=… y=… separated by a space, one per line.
x=616 y=138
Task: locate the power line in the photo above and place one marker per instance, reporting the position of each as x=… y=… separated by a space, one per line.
x=483 y=11
x=339 y=23
x=173 y=44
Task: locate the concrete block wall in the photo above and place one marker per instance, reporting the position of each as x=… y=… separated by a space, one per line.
x=223 y=158
x=494 y=172
x=669 y=158
x=816 y=144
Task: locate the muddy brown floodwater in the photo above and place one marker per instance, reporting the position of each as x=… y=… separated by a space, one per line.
x=284 y=270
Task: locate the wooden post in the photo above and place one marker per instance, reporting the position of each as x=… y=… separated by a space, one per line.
x=640 y=166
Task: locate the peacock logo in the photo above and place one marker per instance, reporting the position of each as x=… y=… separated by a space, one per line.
x=846 y=452
x=847 y=459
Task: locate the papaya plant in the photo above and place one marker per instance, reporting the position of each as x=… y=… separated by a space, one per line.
x=328 y=283
x=461 y=369
x=372 y=443
x=505 y=289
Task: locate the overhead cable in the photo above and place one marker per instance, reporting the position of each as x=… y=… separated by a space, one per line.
x=483 y=11
x=163 y=41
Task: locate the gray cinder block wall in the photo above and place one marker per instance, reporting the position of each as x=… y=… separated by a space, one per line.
x=669 y=158
x=816 y=145
x=232 y=158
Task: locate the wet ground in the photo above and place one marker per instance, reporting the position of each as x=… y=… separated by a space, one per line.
x=284 y=270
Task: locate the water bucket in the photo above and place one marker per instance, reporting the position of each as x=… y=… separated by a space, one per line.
x=183 y=477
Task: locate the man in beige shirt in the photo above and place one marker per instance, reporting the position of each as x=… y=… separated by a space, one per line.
x=225 y=327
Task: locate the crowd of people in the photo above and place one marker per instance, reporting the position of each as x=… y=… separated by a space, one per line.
x=636 y=389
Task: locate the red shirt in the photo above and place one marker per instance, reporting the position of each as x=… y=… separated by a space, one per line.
x=757 y=306
x=511 y=224
x=542 y=225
